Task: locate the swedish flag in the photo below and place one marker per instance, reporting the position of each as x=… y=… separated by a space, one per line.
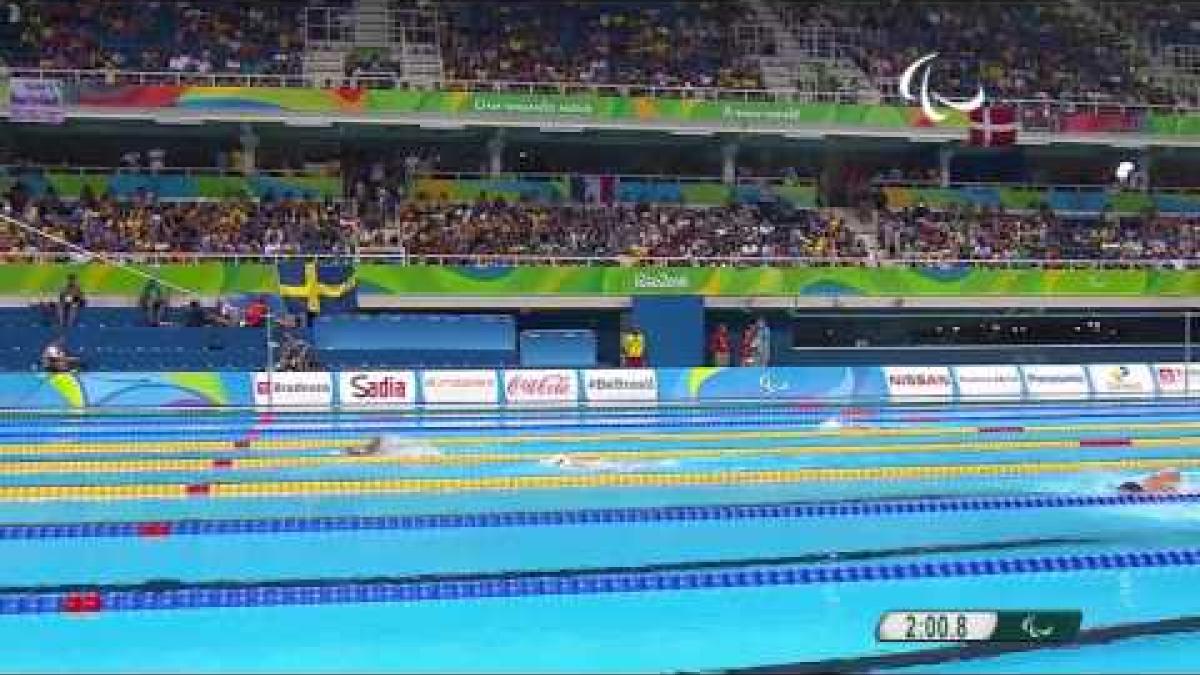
x=317 y=288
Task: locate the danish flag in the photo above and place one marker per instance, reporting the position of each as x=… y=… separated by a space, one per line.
x=993 y=126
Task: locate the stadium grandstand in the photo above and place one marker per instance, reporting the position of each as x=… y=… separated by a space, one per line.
x=354 y=261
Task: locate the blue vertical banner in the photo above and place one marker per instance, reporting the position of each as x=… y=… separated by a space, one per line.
x=674 y=328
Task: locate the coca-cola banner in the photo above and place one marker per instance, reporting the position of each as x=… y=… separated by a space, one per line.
x=541 y=386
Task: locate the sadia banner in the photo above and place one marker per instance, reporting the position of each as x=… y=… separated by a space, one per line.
x=40 y=101
x=815 y=384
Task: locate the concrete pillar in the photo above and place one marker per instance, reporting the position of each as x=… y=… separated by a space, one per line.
x=495 y=146
x=729 y=162
x=249 y=141
x=945 y=156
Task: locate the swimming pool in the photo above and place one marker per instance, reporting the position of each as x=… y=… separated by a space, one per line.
x=691 y=539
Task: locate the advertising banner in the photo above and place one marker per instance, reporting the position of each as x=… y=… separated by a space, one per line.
x=60 y=391
x=39 y=101
x=541 y=386
x=1176 y=379
x=1054 y=382
x=393 y=388
x=1117 y=380
x=988 y=382
x=801 y=384
x=629 y=384
x=919 y=383
x=459 y=386
x=293 y=389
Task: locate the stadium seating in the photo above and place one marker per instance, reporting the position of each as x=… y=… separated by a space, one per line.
x=118 y=339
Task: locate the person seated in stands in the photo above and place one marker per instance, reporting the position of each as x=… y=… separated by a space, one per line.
x=56 y=359
x=70 y=302
x=153 y=302
x=256 y=313
x=226 y=313
x=195 y=316
x=295 y=355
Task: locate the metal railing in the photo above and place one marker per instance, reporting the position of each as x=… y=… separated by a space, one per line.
x=401 y=257
x=1029 y=107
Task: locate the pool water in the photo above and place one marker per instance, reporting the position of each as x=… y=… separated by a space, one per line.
x=598 y=540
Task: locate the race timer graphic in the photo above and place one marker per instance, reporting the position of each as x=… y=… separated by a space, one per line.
x=1036 y=625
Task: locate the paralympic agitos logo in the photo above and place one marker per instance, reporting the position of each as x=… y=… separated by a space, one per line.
x=929 y=98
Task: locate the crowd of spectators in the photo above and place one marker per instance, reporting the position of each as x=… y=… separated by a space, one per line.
x=963 y=234
x=145 y=225
x=194 y=36
x=495 y=227
x=658 y=43
x=1014 y=49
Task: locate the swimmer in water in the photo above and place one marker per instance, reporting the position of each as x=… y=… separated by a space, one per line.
x=373 y=446
x=1167 y=480
x=565 y=461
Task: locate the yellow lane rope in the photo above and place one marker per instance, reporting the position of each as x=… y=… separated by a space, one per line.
x=179 y=447
x=408 y=485
x=261 y=463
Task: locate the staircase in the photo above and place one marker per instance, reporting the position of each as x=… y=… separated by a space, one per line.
x=805 y=58
x=405 y=32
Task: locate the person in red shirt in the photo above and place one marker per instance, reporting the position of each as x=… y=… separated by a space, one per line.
x=720 y=346
x=256 y=313
x=749 y=346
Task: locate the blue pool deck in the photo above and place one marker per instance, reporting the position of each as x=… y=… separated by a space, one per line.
x=690 y=539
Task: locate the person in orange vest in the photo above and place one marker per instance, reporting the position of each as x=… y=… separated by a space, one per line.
x=633 y=348
x=720 y=346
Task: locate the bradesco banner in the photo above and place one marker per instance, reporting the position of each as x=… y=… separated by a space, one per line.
x=800 y=384
x=541 y=386
x=460 y=386
x=293 y=389
x=392 y=388
x=1127 y=379
x=988 y=382
x=629 y=384
x=1054 y=382
x=919 y=383
x=1177 y=379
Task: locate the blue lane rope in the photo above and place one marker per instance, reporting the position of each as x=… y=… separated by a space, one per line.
x=262 y=596
x=651 y=514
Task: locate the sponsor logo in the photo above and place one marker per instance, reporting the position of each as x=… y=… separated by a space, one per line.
x=997 y=378
x=1170 y=376
x=1055 y=379
x=660 y=279
x=541 y=386
x=601 y=383
x=928 y=98
x=620 y=385
x=274 y=387
x=378 y=388
x=767 y=384
x=544 y=386
x=315 y=389
x=919 y=379
x=1120 y=378
x=466 y=386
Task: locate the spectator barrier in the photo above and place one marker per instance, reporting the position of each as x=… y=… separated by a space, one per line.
x=633 y=108
x=517 y=388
